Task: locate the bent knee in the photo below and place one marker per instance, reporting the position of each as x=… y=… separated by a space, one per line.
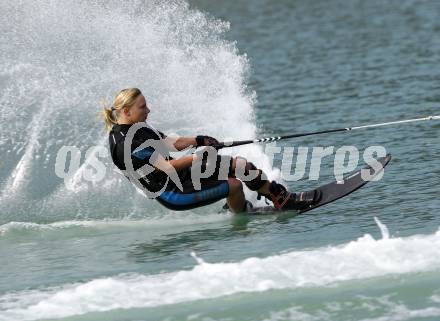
x=235 y=185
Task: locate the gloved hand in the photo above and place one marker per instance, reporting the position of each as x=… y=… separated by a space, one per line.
x=203 y=140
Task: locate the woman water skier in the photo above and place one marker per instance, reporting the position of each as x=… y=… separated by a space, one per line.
x=129 y=109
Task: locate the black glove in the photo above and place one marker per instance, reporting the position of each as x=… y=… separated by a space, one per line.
x=202 y=140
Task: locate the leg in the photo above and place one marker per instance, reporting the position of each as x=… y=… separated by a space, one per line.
x=211 y=191
x=258 y=184
x=277 y=193
x=236 y=199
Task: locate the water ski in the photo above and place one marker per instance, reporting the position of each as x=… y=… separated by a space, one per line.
x=332 y=191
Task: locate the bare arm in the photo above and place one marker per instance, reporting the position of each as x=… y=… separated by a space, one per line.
x=182 y=162
x=185 y=142
x=169 y=166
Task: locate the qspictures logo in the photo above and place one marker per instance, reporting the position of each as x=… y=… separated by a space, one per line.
x=156 y=156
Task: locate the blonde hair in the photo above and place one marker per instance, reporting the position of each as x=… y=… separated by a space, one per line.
x=124 y=99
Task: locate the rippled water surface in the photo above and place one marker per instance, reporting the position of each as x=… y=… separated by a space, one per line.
x=77 y=250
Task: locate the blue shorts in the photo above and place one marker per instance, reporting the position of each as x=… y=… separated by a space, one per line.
x=189 y=198
x=212 y=190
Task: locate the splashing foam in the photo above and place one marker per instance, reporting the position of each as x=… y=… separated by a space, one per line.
x=62 y=58
x=359 y=259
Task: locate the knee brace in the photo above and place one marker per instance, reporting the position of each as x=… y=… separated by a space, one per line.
x=255 y=183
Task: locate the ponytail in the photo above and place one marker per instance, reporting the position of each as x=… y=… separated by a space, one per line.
x=108 y=114
x=124 y=99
